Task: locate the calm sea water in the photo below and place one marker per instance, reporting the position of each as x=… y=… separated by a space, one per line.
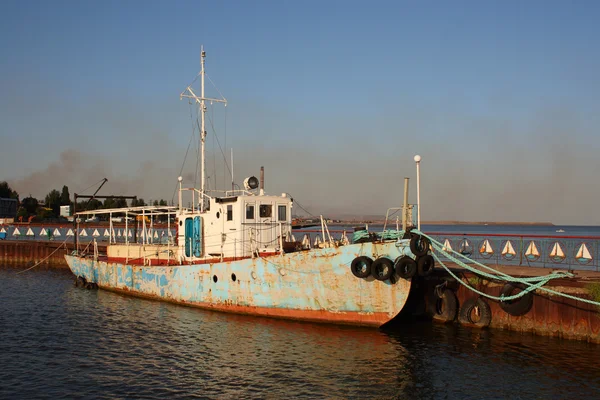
x=57 y=341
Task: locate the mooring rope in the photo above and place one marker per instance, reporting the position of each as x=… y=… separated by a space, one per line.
x=531 y=283
x=49 y=255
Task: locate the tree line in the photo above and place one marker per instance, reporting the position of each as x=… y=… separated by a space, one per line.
x=31 y=209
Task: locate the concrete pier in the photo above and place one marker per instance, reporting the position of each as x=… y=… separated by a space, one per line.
x=550 y=315
x=29 y=252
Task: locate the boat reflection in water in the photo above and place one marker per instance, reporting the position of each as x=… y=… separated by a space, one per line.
x=60 y=341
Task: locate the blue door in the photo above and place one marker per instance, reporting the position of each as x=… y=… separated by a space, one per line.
x=197 y=242
x=189 y=232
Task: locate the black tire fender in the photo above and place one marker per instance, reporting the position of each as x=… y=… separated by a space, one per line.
x=476 y=312
x=361 y=266
x=80 y=282
x=382 y=269
x=405 y=267
x=516 y=307
x=425 y=265
x=443 y=308
x=419 y=245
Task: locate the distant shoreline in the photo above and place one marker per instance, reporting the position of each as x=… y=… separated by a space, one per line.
x=487 y=223
x=483 y=223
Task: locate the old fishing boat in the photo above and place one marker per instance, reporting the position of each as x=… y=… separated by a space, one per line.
x=233 y=251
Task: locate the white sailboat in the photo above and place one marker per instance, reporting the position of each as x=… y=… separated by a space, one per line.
x=532 y=253
x=583 y=254
x=447 y=246
x=508 y=251
x=557 y=254
x=486 y=248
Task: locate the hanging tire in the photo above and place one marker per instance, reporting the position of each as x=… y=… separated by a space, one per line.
x=519 y=306
x=382 y=269
x=443 y=308
x=405 y=267
x=419 y=245
x=361 y=266
x=475 y=311
x=425 y=265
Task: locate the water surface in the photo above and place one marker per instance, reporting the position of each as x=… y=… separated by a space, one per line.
x=58 y=341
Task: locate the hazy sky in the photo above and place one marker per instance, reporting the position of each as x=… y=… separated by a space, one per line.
x=334 y=98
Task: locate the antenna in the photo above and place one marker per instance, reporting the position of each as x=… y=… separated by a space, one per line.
x=232 y=184
x=418 y=162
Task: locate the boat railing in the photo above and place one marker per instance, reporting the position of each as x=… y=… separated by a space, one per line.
x=409 y=216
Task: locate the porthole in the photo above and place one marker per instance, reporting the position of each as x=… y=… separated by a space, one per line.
x=218 y=214
x=233 y=277
x=215 y=279
x=180 y=223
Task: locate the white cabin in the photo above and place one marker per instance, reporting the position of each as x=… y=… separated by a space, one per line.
x=234 y=227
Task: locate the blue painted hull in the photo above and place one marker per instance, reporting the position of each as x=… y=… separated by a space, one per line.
x=316 y=285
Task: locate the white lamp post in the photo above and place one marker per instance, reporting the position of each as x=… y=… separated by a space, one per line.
x=418 y=161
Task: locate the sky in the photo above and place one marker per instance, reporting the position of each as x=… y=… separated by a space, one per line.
x=334 y=98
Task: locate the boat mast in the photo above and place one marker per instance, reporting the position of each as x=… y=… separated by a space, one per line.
x=201 y=100
x=203 y=132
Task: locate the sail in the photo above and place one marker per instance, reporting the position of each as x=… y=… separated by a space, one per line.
x=486 y=248
x=317 y=241
x=447 y=245
x=557 y=251
x=465 y=247
x=532 y=251
x=583 y=253
x=306 y=241
x=508 y=249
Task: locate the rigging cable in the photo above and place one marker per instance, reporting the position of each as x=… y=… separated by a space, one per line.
x=304 y=209
x=186 y=152
x=219 y=143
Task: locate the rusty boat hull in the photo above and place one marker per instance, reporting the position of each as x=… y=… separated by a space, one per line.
x=316 y=285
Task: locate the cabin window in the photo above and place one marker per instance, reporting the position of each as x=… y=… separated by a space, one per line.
x=265 y=210
x=281 y=213
x=229 y=212
x=249 y=211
